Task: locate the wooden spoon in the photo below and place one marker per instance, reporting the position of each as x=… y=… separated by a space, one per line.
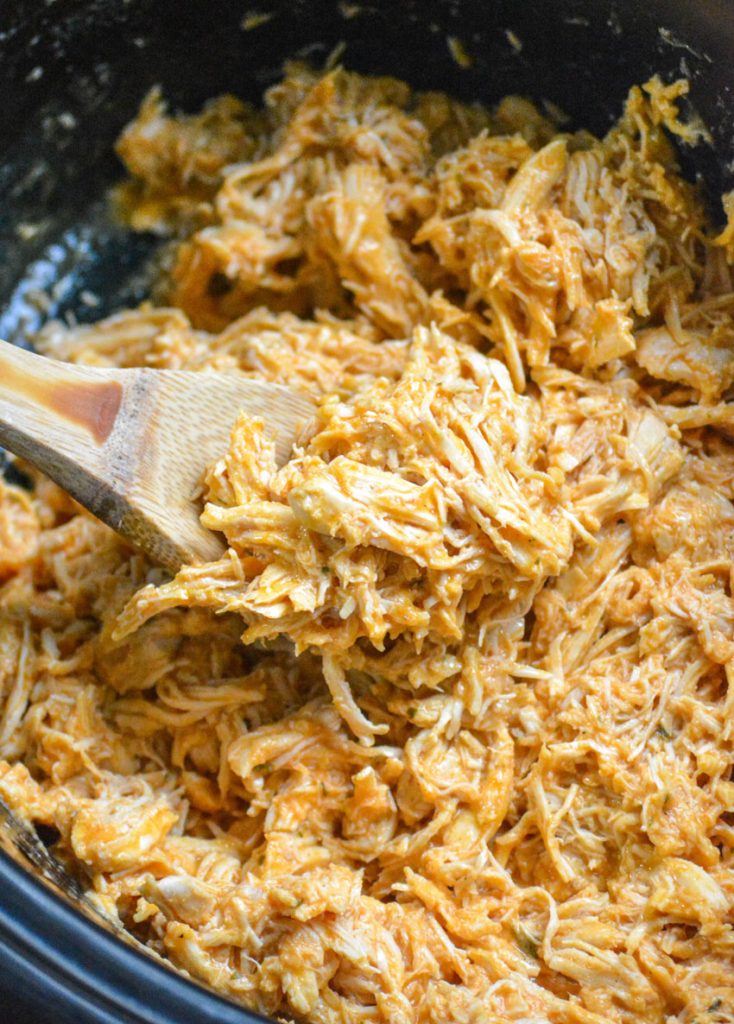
x=131 y=445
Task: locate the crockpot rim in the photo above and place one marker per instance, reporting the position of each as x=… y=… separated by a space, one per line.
x=75 y=954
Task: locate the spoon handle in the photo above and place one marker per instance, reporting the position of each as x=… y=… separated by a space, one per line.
x=87 y=429
x=56 y=415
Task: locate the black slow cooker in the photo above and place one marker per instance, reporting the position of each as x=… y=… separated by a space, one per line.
x=72 y=73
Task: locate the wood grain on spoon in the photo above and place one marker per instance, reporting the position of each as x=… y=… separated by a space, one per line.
x=132 y=445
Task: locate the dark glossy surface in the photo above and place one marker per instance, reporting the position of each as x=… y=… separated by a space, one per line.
x=16 y=1008
x=72 y=72
x=71 y=970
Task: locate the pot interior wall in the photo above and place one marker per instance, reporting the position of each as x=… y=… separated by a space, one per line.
x=72 y=72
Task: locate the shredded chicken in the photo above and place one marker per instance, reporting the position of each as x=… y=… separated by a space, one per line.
x=447 y=736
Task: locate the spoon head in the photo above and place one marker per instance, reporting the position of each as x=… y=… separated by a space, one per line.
x=172 y=426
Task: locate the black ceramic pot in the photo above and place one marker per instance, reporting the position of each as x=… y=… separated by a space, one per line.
x=72 y=72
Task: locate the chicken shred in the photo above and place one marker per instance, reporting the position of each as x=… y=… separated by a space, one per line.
x=447 y=735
